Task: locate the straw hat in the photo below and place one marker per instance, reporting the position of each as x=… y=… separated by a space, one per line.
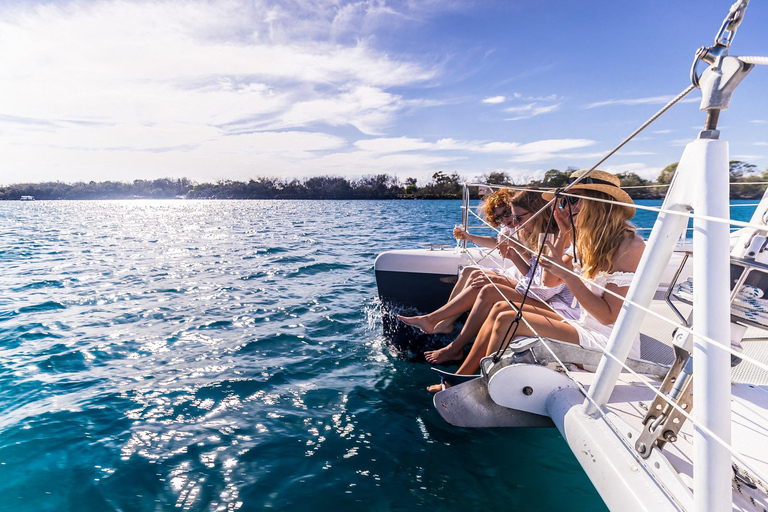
x=599 y=181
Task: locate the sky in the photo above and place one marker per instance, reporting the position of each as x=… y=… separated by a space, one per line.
x=235 y=89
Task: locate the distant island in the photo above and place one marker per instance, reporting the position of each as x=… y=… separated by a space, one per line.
x=745 y=179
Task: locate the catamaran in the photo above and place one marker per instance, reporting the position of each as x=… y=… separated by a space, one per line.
x=648 y=434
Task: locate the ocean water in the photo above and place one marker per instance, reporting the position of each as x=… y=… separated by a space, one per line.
x=228 y=355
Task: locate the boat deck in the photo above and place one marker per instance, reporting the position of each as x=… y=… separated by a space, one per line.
x=749 y=406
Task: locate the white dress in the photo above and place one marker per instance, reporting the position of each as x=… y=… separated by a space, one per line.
x=592 y=333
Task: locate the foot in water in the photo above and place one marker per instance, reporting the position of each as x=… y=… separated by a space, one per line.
x=436 y=388
x=443 y=355
x=420 y=322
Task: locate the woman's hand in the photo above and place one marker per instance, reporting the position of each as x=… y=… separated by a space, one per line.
x=459 y=233
x=554 y=264
x=563 y=219
x=478 y=282
x=505 y=249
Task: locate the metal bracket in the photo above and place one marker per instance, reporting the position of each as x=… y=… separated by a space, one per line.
x=662 y=422
x=439 y=246
x=719 y=81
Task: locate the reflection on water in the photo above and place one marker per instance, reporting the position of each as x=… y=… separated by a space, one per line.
x=227 y=355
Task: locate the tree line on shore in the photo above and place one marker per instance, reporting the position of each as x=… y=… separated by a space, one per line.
x=744 y=177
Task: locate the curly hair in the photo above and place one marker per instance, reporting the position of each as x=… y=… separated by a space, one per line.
x=502 y=198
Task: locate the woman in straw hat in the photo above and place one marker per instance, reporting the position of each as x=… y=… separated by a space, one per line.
x=607 y=251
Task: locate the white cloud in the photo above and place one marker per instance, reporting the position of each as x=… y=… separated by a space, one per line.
x=759 y=121
x=747 y=158
x=495 y=99
x=652 y=100
x=761 y=143
x=530 y=110
x=394 y=145
x=182 y=76
x=540 y=147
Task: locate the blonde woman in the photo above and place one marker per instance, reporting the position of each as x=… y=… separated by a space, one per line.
x=608 y=251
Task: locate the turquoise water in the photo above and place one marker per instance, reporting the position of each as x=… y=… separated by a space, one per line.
x=227 y=355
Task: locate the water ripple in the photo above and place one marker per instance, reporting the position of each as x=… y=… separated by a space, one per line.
x=227 y=355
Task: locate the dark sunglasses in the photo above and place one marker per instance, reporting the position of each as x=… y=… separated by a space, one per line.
x=569 y=199
x=506 y=213
x=519 y=218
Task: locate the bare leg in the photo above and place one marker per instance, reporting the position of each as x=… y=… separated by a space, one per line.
x=489 y=296
x=465 y=276
x=461 y=303
x=477 y=352
x=539 y=325
x=446 y=325
x=495 y=329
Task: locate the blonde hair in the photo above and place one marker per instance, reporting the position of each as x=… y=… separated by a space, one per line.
x=533 y=202
x=600 y=229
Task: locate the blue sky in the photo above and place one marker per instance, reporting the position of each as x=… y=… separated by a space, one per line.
x=124 y=90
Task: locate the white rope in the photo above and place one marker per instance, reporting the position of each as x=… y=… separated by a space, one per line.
x=674 y=212
x=643 y=380
x=754 y=60
x=656 y=185
x=584 y=392
x=706 y=339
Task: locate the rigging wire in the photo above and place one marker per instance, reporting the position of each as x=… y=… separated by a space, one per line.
x=643 y=380
x=584 y=392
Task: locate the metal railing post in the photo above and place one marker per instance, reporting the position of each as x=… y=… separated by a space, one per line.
x=465 y=212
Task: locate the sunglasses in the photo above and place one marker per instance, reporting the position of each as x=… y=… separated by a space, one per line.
x=506 y=213
x=572 y=200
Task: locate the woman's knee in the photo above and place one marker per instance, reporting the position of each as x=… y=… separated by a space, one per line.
x=498 y=308
x=487 y=291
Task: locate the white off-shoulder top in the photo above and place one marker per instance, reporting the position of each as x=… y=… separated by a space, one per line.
x=592 y=333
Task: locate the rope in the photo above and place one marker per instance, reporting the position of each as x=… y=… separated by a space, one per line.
x=706 y=339
x=584 y=392
x=675 y=212
x=643 y=380
x=656 y=185
x=516 y=322
x=759 y=61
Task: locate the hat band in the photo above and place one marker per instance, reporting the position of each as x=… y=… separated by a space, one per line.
x=590 y=180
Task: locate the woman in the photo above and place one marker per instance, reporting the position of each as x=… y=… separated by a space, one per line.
x=607 y=253
x=500 y=211
x=481 y=300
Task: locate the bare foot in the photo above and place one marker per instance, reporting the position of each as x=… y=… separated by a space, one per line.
x=420 y=322
x=436 y=388
x=445 y=354
x=443 y=327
